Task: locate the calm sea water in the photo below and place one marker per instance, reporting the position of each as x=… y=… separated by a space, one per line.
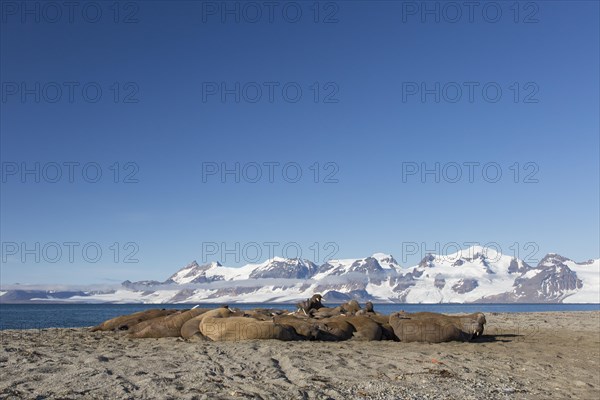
x=32 y=316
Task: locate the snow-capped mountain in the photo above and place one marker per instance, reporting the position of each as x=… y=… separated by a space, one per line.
x=466 y=276
x=194 y=273
x=555 y=279
x=476 y=274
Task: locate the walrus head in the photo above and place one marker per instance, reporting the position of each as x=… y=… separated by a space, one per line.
x=351 y=307
x=473 y=324
x=369 y=307
x=315 y=301
x=480 y=317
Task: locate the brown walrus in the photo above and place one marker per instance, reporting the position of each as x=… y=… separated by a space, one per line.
x=125 y=322
x=351 y=307
x=326 y=312
x=364 y=328
x=468 y=323
x=304 y=327
x=368 y=310
x=387 y=332
x=244 y=328
x=169 y=326
x=314 y=303
x=436 y=328
x=190 y=329
x=334 y=329
x=263 y=314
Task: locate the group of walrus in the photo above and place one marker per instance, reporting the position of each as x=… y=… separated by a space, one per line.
x=311 y=321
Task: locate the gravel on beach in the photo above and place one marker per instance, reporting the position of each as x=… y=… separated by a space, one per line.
x=546 y=355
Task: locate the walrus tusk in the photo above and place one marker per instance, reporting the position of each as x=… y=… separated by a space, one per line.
x=196 y=306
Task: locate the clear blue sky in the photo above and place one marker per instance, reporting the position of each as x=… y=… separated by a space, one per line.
x=373 y=58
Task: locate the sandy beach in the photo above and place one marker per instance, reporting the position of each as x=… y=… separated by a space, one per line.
x=521 y=356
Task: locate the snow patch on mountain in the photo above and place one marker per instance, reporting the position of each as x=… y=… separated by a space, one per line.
x=464 y=276
x=589 y=273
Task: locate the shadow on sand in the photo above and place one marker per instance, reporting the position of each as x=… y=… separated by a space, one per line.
x=502 y=338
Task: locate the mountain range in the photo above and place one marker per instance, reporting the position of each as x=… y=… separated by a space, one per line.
x=474 y=275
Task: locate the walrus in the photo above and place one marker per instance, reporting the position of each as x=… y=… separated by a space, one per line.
x=430 y=330
x=472 y=323
x=304 y=327
x=367 y=310
x=334 y=329
x=469 y=323
x=326 y=312
x=143 y=324
x=436 y=328
x=263 y=314
x=224 y=312
x=479 y=323
x=387 y=332
x=168 y=326
x=364 y=328
x=351 y=307
x=125 y=322
x=314 y=303
x=190 y=330
x=244 y=328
